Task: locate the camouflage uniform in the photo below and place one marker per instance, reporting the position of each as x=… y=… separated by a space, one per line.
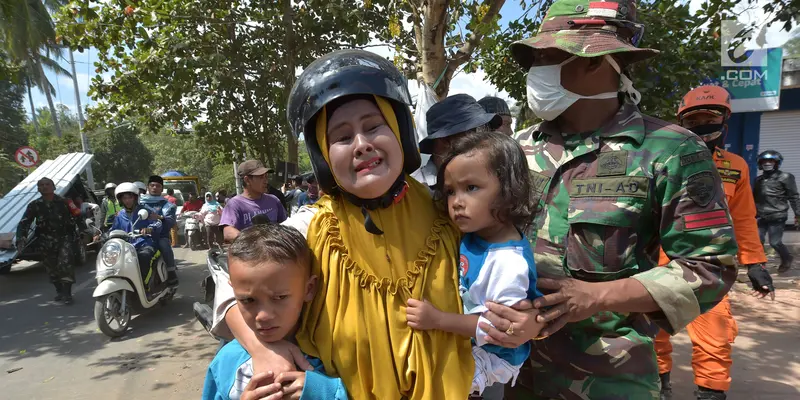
x=607 y=200
x=55 y=231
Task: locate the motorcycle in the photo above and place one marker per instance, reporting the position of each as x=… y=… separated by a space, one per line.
x=217 y=264
x=193 y=229
x=121 y=290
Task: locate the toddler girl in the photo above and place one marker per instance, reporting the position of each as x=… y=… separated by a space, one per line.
x=486 y=186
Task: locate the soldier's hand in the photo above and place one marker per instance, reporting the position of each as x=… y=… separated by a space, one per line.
x=761 y=281
x=573 y=301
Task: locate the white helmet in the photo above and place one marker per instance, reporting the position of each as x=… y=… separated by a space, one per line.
x=140 y=185
x=110 y=185
x=126 y=187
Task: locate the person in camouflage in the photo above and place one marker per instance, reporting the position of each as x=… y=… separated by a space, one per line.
x=613 y=186
x=55 y=230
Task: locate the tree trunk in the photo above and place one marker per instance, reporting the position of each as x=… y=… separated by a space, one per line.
x=430 y=30
x=288 y=41
x=33 y=109
x=431 y=45
x=43 y=83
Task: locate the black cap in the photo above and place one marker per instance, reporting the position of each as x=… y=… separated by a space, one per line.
x=453 y=115
x=155 y=178
x=495 y=105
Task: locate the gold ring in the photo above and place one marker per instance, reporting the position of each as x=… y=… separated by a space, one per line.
x=510 y=330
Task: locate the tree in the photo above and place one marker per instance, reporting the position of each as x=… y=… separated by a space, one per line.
x=186 y=152
x=12 y=118
x=119 y=154
x=792 y=46
x=443 y=38
x=28 y=31
x=223 y=68
x=688 y=44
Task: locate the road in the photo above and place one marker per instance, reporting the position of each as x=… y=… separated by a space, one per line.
x=62 y=354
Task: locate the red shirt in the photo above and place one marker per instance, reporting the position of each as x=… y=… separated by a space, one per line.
x=171 y=199
x=194 y=205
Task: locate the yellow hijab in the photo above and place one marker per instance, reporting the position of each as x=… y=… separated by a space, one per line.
x=356 y=324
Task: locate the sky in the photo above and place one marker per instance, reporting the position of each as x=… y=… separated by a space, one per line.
x=474 y=84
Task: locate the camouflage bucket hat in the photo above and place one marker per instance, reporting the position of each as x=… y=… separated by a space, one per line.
x=587 y=29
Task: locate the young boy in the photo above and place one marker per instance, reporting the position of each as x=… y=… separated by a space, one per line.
x=270 y=272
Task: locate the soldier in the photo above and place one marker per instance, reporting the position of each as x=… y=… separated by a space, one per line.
x=496 y=105
x=705 y=111
x=613 y=186
x=55 y=229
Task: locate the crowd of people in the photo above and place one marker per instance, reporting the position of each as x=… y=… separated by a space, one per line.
x=551 y=263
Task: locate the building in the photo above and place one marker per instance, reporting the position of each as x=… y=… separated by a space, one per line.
x=753 y=132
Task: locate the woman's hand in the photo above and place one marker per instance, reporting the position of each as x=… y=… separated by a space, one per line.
x=292 y=383
x=279 y=357
x=573 y=301
x=422 y=315
x=522 y=317
x=262 y=387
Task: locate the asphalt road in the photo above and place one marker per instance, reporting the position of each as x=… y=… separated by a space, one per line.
x=50 y=351
x=62 y=354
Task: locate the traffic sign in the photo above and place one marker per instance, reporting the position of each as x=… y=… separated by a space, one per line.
x=26 y=157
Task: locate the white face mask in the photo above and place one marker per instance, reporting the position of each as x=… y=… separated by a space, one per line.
x=548 y=99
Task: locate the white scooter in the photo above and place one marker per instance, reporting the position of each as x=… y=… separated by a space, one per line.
x=193 y=229
x=120 y=288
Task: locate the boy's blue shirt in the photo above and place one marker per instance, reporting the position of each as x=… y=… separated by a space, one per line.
x=231 y=369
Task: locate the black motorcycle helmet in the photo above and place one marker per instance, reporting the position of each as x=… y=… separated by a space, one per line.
x=495 y=105
x=346 y=73
x=770 y=155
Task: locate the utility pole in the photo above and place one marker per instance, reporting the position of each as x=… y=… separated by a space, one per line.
x=84 y=138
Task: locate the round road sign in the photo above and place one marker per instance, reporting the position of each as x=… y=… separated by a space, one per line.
x=26 y=157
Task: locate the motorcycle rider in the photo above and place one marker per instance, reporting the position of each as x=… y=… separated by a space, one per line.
x=775 y=191
x=496 y=105
x=109 y=207
x=127 y=194
x=55 y=229
x=141 y=186
x=165 y=212
x=705 y=111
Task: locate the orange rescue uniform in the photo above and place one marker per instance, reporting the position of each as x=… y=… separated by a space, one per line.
x=713 y=332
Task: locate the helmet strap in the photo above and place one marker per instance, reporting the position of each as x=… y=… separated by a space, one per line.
x=394 y=195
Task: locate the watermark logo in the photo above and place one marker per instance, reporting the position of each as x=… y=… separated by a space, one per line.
x=734 y=36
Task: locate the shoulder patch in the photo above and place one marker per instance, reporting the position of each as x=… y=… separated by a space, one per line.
x=730 y=175
x=705 y=220
x=701 y=155
x=701 y=188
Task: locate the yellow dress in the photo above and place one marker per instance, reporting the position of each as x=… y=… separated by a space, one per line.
x=356 y=324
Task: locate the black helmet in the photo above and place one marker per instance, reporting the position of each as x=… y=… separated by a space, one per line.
x=770 y=155
x=345 y=73
x=495 y=105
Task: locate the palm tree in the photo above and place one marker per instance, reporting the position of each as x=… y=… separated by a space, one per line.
x=28 y=31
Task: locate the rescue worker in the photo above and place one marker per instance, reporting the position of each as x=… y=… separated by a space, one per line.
x=705 y=111
x=773 y=190
x=496 y=105
x=109 y=207
x=55 y=230
x=612 y=186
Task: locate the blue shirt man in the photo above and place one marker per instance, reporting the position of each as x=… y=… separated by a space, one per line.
x=166 y=214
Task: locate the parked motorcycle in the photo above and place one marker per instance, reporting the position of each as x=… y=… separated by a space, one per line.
x=217 y=264
x=121 y=291
x=193 y=230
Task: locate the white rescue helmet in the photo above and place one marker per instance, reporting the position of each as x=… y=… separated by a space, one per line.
x=111 y=185
x=126 y=187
